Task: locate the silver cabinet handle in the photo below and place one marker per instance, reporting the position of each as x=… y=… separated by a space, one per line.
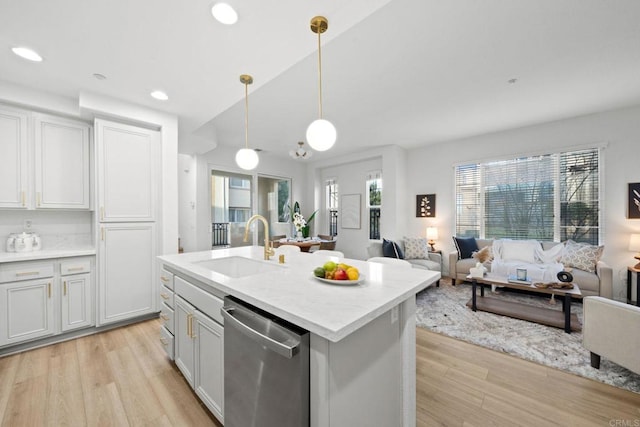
x=276 y=346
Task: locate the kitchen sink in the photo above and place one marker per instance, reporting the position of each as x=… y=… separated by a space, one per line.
x=237 y=267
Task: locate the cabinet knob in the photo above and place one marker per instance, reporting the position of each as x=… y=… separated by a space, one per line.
x=164 y=296
x=164 y=341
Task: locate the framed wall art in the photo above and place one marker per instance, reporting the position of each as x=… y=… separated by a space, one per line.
x=350 y=211
x=633 y=204
x=425 y=205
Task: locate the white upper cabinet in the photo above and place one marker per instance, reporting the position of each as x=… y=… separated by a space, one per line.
x=14 y=161
x=127 y=172
x=61 y=163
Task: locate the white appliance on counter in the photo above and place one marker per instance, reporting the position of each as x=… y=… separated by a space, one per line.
x=23 y=242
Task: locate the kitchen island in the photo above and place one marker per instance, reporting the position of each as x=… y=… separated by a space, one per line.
x=362 y=337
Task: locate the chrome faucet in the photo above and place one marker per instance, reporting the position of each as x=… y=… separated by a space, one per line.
x=268 y=250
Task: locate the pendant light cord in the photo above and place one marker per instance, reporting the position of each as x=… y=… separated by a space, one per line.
x=246 y=115
x=319 y=76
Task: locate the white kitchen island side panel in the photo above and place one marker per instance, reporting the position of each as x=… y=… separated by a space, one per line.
x=359 y=380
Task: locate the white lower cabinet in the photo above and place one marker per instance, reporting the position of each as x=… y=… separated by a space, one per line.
x=199 y=346
x=127 y=271
x=44 y=298
x=27 y=310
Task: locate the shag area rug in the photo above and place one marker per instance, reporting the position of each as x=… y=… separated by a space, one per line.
x=443 y=310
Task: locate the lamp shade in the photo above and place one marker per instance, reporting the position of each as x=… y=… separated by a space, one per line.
x=247 y=158
x=432 y=233
x=321 y=135
x=634 y=243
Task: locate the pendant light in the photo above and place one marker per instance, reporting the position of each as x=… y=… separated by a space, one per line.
x=246 y=158
x=321 y=134
x=300 y=152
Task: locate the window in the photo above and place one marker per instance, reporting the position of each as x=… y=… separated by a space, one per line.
x=239 y=215
x=239 y=183
x=374 y=203
x=547 y=197
x=332 y=205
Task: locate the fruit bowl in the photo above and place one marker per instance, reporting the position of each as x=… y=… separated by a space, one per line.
x=341 y=282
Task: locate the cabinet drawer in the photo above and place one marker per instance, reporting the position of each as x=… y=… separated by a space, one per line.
x=166 y=316
x=14 y=272
x=166 y=278
x=166 y=339
x=75 y=266
x=167 y=296
x=203 y=301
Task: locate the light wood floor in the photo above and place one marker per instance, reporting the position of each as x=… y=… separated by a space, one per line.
x=115 y=378
x=122 y=377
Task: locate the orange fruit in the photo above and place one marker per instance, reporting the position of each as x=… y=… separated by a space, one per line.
x=353 y=273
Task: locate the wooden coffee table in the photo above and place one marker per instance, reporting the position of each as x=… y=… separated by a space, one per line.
x=518 y=310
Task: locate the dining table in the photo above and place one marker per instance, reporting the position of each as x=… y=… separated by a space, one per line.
x=304 y=245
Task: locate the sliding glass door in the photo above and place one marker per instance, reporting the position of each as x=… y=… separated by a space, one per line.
x=231 y=207
x=274 y=201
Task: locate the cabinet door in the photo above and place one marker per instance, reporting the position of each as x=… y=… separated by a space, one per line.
x=75 y=303
x=184 y=342
x=26 y=310
x=13 y=163
x=209 y=353
x=128 y=158
x=61 y=163
x=127 y=284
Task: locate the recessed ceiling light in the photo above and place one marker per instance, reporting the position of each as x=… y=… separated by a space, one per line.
x=160 y=95
x=99 y=76
x=224 y=13
x=26 y=53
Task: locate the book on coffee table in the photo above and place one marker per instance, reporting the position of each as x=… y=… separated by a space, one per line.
x=514 y=279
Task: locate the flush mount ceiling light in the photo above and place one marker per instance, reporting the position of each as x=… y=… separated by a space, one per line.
x=321 y=134
x=224 y=13
x=159 y=95
x=246 y=158
x=26 y=53
x=300 y=152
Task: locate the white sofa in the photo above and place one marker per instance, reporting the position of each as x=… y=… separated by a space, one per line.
x=434 y=262
x=609 y=330
x=599 y=283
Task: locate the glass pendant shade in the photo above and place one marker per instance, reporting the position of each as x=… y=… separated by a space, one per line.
x=247 y=158
x=321 y=135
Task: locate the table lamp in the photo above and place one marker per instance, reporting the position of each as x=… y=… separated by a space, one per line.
x=432 y=236
x=634 y=245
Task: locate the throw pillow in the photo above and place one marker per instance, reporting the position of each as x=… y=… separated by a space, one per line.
x=416 y=248
x=520 y=250
x=391 y=249
x=466 y=246
x=483 y=255
x=582 y=256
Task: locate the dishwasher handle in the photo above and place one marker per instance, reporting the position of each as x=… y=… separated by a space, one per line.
x=282 y=349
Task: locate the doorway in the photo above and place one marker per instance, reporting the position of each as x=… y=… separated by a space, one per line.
x=231 y=207
x=274 y=201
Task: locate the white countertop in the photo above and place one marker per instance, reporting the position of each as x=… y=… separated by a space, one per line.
x=293 y=294
x=44 y=254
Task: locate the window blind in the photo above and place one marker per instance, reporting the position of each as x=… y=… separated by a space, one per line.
x=546 y=197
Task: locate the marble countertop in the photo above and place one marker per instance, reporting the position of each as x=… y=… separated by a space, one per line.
x=291 y=292
x=45 y=254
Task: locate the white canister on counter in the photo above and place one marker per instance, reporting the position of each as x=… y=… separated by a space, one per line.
x=11 y=242
x=37 y=242
x=24 y=242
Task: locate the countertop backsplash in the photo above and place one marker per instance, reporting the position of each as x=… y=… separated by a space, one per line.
x=58 y=230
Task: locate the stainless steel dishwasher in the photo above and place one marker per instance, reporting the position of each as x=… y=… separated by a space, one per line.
x=266 y=369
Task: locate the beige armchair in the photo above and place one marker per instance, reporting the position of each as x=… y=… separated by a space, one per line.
x=610 y=331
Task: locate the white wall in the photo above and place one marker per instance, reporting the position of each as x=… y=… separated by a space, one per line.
x=351 y=176
x=430 y=170
x=187 y=174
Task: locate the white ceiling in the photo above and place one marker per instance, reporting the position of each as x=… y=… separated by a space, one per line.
x=405 y=72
